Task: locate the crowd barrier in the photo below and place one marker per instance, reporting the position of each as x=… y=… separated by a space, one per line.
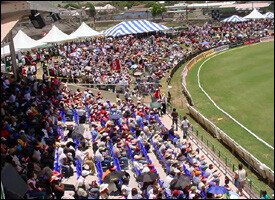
x=267 y=39
x=265 y=172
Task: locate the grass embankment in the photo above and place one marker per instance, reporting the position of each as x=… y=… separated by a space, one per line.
x=177 y=101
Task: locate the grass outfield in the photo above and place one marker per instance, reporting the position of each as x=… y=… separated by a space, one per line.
x=241 y=82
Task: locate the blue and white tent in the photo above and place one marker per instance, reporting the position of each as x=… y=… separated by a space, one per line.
x=234 y=18
x=269 y=15
x=134 y=27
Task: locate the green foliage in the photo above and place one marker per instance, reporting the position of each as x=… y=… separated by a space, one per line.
x=73 y=5
x=130 y=4
x=91 y=11
x=157 y=9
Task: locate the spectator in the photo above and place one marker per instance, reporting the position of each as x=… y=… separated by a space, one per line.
x=240 y=176
x=174 y=115
x=264 y=195
x=134 y=194
x=185 y=125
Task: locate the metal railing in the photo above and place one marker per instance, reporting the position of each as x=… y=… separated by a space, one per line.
x=199 y=136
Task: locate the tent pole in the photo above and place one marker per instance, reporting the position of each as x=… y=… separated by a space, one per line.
x=13 y=57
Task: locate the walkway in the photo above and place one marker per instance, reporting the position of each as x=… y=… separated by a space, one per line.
x=167 y=121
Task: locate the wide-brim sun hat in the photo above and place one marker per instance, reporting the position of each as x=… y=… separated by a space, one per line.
x=103 y=187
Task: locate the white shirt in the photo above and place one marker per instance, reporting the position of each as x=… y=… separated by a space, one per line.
x=61 y=158
x=79 y=155
x=145 y=169
x=137 y=196
x=185 y=123
x=242 y=175
x=127 y=188
x=99 y=156
x=138 y=165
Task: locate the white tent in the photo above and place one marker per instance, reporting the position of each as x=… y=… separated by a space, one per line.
x=21 y=41
x=109 y=7
x=84 y=31
x=255 y=14
x=234 y=18
x=55 y=35
x=269 y=15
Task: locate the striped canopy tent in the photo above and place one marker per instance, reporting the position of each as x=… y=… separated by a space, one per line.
x=134 y=27
x=234 y=18
x=269 y=15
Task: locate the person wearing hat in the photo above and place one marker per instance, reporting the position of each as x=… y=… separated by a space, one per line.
x=81 y=194
x=104 y=191
x=102 y=156
x=57 y=187
x=196 y=178
x=93 y=193
x=108 y=171
x=82 y=182
x=136 y=163
x=33 y=189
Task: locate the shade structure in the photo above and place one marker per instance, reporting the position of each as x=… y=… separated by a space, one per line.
x=21 y=41
x=5 y=51
x=234 y=18
x=269 y=15
x=55 y=35
x=13 y=182
x=84 y=31
x=134 y=27
x=255 y=14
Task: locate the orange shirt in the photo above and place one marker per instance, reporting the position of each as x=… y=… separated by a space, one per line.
x=105 y=174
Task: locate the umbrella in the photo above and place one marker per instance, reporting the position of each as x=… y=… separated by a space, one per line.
x=114 y=176
x=205 y=43
x=180 y=183
x=155 y=105
x=233 y=195
x=115 y=116
x=134 y=66
x=217 y=190
x=137 y=73
x=147 y=177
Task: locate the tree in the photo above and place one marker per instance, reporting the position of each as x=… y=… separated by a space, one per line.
x=91 y=11
x=73 y=5
x=158 y=9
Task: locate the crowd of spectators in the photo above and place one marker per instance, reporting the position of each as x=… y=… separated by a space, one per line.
x=95 y=61
x=121 y=133
x=30 y=138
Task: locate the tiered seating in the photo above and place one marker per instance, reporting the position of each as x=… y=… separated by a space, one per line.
x=116 y=161
x=88 y=112
x=137 y=171
x=56 y=165
x=76 y=117
x=77 y=162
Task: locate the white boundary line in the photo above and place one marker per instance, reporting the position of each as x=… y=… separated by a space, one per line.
x=198 y=76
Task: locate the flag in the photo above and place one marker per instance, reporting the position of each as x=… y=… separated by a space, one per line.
x=115 y=65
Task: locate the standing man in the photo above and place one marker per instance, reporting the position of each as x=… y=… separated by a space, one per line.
x=185 y=125
x=163 y=104
x=175 y=118
x=240 y=179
